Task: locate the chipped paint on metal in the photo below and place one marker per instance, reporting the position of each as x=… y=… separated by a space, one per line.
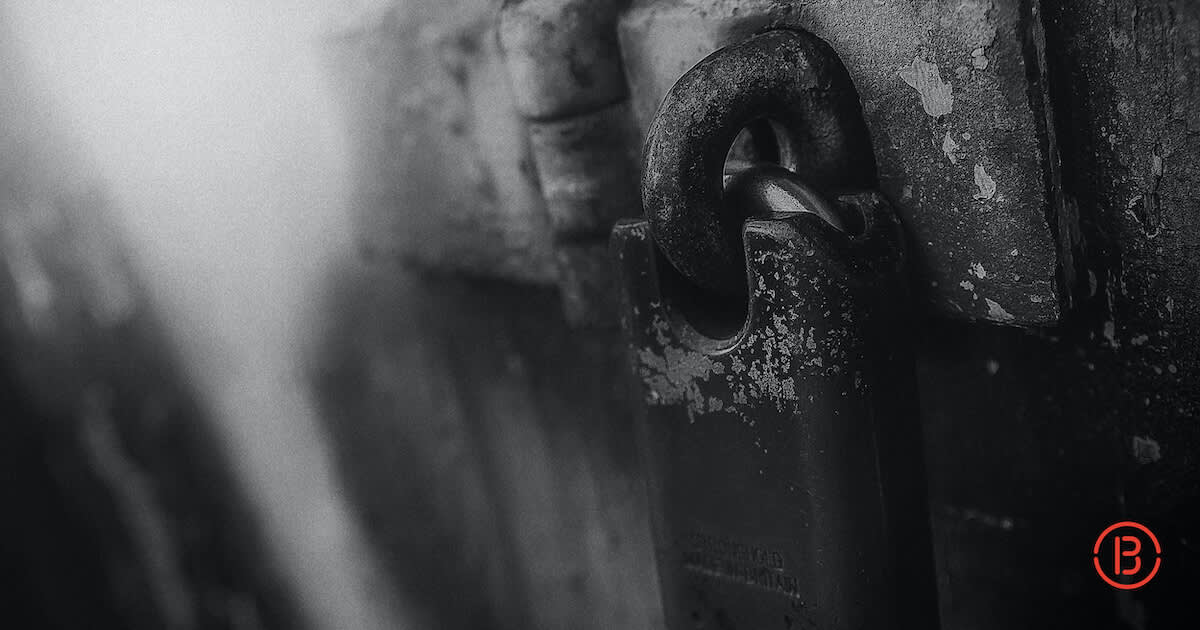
x=985 y=183
x=805 y=330
x=950 y=148
x=1109 y=331
x=674 y=373
x=978 y=59
x=937 y=97
x=883 y=43
x=997 y=312
x=763 y=366
x=1146 y=450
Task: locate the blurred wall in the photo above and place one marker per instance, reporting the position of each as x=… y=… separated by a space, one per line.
x=194 y=145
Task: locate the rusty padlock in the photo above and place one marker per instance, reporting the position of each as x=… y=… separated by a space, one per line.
x=769 y=335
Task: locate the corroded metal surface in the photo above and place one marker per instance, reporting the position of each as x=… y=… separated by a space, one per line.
x=788 y=77
x=443 y=174
x=784 y=461
x=951 y=96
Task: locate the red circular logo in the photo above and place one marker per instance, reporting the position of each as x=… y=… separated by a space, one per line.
x=1122 y=555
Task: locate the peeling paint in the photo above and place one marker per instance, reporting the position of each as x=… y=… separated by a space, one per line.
x=1110 y=333
x=987 y=185
x=937 y=97
x=996 y=311
x=978 y=59
x=771 y=361
x=1146 y=450
x=673 y=375
x=950 y=148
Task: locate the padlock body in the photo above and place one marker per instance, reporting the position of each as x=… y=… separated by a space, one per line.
x=784 y=462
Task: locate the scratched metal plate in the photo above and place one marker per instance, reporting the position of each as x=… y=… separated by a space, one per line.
x=956 y=121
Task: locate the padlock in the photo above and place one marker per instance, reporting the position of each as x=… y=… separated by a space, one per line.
x=963 y=158
x=780 y=430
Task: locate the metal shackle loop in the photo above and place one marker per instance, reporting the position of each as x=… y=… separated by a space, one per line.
x=788 y=77
x=767 y=190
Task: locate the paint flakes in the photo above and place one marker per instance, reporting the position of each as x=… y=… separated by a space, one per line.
x=967 y=285
x=978 y=59
x=993 y=366
x=1110 y=333
x=937 y=97
x=985 y=183
x=1146 y=450
x=995 y=311
x=977 y=270
x=950 y=148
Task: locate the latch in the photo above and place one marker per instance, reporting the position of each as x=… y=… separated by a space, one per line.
x=768 y=312
x=952 y=95
x=505 y=144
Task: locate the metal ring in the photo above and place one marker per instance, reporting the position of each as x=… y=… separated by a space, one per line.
x=789 y=77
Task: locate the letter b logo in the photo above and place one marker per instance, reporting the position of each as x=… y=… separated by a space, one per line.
x=1130 y=542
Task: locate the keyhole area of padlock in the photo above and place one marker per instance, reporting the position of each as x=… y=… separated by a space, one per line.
x=761 y=141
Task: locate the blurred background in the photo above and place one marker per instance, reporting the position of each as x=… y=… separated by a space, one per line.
x=174 y=210
x=215 y=414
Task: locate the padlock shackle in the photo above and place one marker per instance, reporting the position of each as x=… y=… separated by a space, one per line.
x=792 y=79
x=766 y=190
